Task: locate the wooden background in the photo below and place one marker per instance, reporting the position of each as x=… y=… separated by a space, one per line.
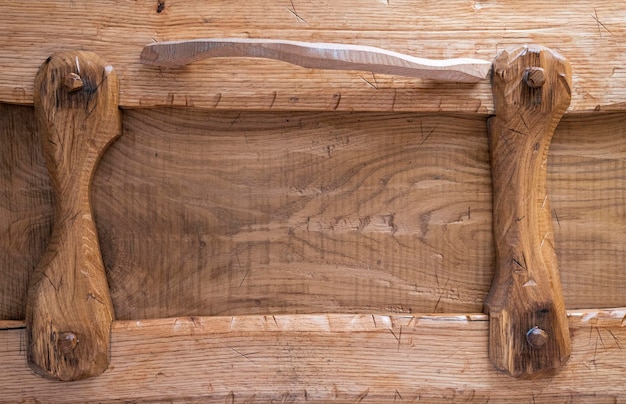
x=279 y=190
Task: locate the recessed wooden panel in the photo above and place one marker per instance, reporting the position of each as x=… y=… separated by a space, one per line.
x=25 y=206
x=240 y=212
x=587 y=186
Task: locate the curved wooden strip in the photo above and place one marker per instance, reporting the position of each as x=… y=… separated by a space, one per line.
x=317 y=56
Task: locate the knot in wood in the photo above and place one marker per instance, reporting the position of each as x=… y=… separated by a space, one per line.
x=534 y=77
x=536 y=337
x=66 y=342
x=72 y=82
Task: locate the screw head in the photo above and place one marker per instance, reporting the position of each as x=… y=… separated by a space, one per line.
x=73 y=82
x=534 y=77
x=66 y=341
x=536 y=337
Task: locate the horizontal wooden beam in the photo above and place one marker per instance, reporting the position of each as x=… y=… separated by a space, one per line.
x=365 y=358
x=590 y=35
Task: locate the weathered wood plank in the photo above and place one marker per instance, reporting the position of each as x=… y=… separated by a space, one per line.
x=590 y=34
x=219 y=212
x=365 y=358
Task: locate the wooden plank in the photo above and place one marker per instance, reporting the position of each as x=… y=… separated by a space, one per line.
x=364 y=358
x=224 y=198
x=590 y=34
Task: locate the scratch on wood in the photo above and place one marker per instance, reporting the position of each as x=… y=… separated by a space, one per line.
x=293 y=11
x=437 y=304
x=617 y=341
x=219 y=98
x=362 y=395
x=518 y=264
x=518 y=132
x=600 y=24
x=394 y=335
x=397 y=395
x=244 y=278
x=374 y=85
x=50 y=280
x=235 y=120
x=92 y=296
x=601 y=339
x=557 y=218
x=543 y=240
x=244 y=355
x=273 y=99
x=424 y=139
x=523 y=121
x=338 y=96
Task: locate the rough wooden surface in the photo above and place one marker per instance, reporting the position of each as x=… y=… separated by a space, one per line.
x=590 y=34
x=69 y=309
x=351 y=358
x=528 y=329
x=179 y=182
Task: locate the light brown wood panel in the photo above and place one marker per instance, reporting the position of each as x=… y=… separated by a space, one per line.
x=254 y=213
x=349 y=358
x=590 y=34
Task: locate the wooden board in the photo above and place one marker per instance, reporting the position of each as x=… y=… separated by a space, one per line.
x=590 y=34
x=230 y=213
x=350 y=358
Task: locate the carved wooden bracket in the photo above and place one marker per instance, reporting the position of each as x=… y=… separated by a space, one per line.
x=528 y=328
x=69 y=310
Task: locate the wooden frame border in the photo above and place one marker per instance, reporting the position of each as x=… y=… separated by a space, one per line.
x=346 y=357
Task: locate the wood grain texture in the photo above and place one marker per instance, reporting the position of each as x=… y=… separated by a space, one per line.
x=317 y=55
x=528 y=334
x=587 y=188
x=589 y=32
x=348 y=358
x=257 y=213
x=140 y=185
x=25 y=207
x=69 y=310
